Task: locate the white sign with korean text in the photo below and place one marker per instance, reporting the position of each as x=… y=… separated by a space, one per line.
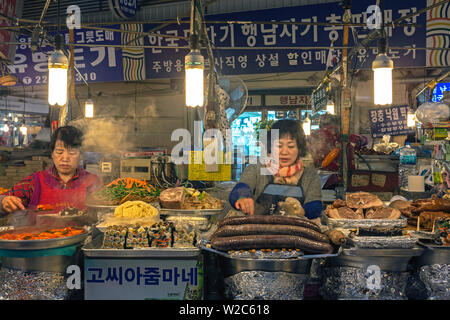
x=288 y=100
x=142 y=279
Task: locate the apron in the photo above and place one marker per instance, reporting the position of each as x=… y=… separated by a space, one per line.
x=47 y=190
x=269 y=200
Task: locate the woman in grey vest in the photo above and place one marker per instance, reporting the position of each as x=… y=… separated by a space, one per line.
x=289 y=176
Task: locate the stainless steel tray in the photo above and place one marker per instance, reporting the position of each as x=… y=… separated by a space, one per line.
x=301 y=257
x=41 y=244
x=100 y=206
x=363 y=223
x=57 y=264
x=395 y=260
x=195 y=212
x=397 y=252
x=434 y=254
x=93 y=250
x=110 y=206
x=231 y=265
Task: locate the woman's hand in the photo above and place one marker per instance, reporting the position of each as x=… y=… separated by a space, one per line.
x=246 y=205
x=12 y=203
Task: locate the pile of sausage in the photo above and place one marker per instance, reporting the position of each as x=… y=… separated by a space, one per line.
x=269 y=232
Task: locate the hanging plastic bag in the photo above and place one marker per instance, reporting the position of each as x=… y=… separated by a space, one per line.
x=433 y=112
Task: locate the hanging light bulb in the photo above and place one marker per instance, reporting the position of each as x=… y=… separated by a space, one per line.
x=194 y=68
x=411 y=119
x=194 y=65
x=330 y=106
x=307 y=126
x=58 y=66
x=382 y=76
x=6 y=127
x=89 y=109
x=57 y=79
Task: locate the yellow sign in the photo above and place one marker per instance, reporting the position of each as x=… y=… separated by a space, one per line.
x=198 y=168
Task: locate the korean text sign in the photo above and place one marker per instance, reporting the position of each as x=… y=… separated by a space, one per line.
x=389 y=121
x=253 y=38
x=136 y=279
x=95 y=63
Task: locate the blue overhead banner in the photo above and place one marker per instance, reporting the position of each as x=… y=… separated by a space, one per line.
x=95 y=63
x=251 y=48
x=254 y=59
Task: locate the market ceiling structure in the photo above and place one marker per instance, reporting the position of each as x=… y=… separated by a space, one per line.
x=42 y=14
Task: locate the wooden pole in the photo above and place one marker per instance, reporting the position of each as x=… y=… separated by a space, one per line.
x=345 y=99
x=72 y=65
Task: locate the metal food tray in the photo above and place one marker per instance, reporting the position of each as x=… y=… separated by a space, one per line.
x=300 y=257
x=394 y=260
x=363 y=223
x=371 y=252
x=404 y=242
x=93 y=250
x=111 y=206
x=41 y=244
x=230 y=265
x=434 y=254
x=100 y=206
x=190 y=212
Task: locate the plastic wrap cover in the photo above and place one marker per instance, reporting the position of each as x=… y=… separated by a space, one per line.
x=260 y=285
x=20 y=285
x=436 y=278
x=348 y=283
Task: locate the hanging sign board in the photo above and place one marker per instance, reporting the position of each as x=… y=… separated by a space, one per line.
x=266 y=48
x=319 y=99
x=389 y=121
x=95 y=63
x=287 y=100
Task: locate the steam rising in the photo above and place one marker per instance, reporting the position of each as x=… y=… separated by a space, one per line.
x=105 y=135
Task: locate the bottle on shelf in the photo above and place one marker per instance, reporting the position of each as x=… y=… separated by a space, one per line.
x=407 y=165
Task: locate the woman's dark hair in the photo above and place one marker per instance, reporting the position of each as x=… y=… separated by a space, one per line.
x=70 y=136
x=292 y=129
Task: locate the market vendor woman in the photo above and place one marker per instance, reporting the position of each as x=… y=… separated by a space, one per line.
x=250 y=194
x=64 y=184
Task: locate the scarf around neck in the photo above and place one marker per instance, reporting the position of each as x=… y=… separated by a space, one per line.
x=287 y=175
